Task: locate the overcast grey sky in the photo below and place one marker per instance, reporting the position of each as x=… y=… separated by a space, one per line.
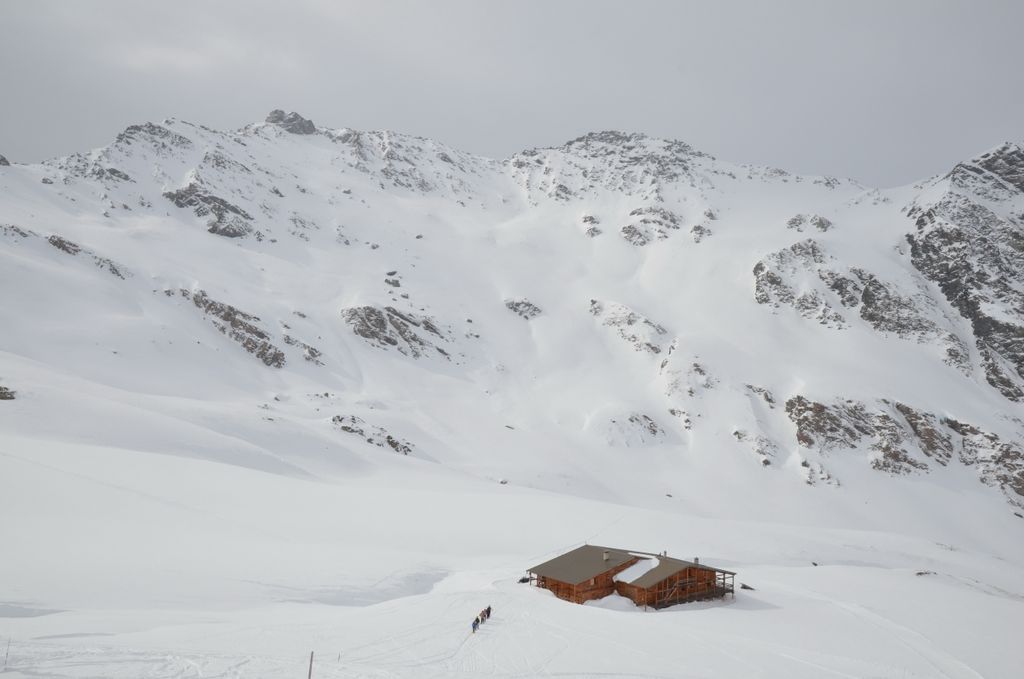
x=885 y=92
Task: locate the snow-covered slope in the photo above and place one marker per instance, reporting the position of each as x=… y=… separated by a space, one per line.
x=349 y=342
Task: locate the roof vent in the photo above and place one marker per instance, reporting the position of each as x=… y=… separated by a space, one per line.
x=606 y=555
x=696 y=559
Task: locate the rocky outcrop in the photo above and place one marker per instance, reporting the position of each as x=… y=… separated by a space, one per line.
x=225 y=219
x=976 y=257
x=157 y=137
x=410 y=334
x=649 y=224
x=68 y=247
x=631 y=164
x=763 y=447
x=685 y=379
x=699 y=232
x=780 y=280
x=12 y=231
x=633 y=429
x=801 y=221
x=900 y=439
x=291 y=122
x=374 y=435
x=685 y=376
x=241 y=327
x=309 y=352
x=523 y=308
x=1004 y=164
x=7 y=394
x=641 y=333
x=4 y=162
x=806 y=278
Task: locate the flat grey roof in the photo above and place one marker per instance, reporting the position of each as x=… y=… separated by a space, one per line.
x=581 y=564
x=586 y=562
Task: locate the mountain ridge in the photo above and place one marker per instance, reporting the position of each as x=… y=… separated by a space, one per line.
x=645 y=295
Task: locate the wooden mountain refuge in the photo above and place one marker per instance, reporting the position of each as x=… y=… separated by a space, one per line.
x=655 y=580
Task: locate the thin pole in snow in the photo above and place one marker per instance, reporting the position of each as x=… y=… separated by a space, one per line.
x=310 y=676
x=8 y=654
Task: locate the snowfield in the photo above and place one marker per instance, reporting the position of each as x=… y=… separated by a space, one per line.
x=292 y=389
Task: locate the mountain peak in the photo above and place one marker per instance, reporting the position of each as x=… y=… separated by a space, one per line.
x=291 y=122
x=634 y=144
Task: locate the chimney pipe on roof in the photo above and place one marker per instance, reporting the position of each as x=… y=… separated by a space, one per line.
x=606 y=555
x=696 y=560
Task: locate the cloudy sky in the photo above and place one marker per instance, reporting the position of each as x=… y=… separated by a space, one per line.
x=885 y=92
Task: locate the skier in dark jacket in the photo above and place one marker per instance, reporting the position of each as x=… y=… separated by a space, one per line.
x=488 y=611
x=476 y=624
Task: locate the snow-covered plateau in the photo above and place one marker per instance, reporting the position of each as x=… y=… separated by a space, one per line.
x=290 y=389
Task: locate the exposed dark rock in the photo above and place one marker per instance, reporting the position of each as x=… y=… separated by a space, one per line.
x=226 y=219
x=683 y=417
x=6 y=394
x=699 y=233
x=847 y=288
x=1000 y=463
x=889 y=440
x=642 y=333
x=73 y=249
x=291 y=122
x=12 y=231
x=1006 y=163
x=762 y=446
x=646 y=423
x=4 y=162
x=798 y=222
x=977 y=259
x=634 y=235
x=892 y=432
x=773 y=286
x=389 y=327
x=933 y=442
x=765 y=394
x=523 y=307
x=593 y=231
x=378 y=436
x=634 y=429
x=824 y=427
x=64 y=245
x=118 y=174
x=650 y=223
x=157 y=136
x=310 y=353
x=300 y=226
x=239 y=326
x=219 y=161
x=627 y=160
x=779 y=276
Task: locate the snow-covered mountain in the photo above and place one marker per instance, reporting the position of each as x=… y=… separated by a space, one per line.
x=621 y=319
x=616 y=292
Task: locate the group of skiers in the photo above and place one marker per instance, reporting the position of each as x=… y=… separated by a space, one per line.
x=479 y=620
